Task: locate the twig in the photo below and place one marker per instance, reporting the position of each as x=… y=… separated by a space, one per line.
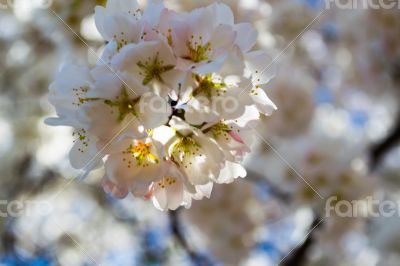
x=379 y=151
x=299 y=256
x=274 y=190
x=176 y=229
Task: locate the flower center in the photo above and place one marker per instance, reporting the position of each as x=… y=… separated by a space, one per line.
x=184 y=149
x=207 y=86
x=197 y=51
x=124 y=104
x=153 y=69
x=166 y=182
x=141 y=154
x=79 y=93
x=221 y=130
x=81 y=136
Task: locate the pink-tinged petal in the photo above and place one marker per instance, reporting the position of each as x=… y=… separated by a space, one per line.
x=236 y=137
x=113 y=189
x=149 y=193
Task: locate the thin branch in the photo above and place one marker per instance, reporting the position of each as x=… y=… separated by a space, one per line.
x=299 y=255
x=274 y=190
x=176 y=229
x=379 y=150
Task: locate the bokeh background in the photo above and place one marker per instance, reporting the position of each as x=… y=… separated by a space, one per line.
x=335 y=134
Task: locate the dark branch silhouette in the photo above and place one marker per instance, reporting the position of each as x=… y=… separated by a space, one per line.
x=299 y=256
x=176 y=229
x=379 y=150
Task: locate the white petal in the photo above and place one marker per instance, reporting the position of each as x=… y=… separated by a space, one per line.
x=246 y=36
x=163 y=134
x=263 y=103
x=122 y=169
x=222 y=39
x=201 y=22
x=115 y=6
x=58 y=121
x=180 y=125
x=250 y=117
x=109 y=51
x=105 y=124
x=152 y=13
x=233 y=65
x=209 y=67
x=229 y=106
x=175 y=195
x=260 y=67
x=123 y=29
x=85 y=157
x=203 y=191
x=230 y=172
x=199 y=173
x=130 y=55
x=199 y=112
x=223 y=14
x=205 y=167
x=153 y=110
x=160 y=199
x=99 y=18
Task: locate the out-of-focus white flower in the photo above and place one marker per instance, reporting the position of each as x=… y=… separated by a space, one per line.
x=228 y=242
x=289 y=18
x=316 y=167
x=384 y=238
x=295 y=99
x=70 y=223
x=170 y=103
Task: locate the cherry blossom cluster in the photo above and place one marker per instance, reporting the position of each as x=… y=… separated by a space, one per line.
x=170 y=106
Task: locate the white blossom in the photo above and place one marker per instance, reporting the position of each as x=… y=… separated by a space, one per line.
x=170 y=106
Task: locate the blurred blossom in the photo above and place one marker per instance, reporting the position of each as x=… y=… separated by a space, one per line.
x=295 y=100
x=6 y=135
x=289 y=18
x=228 y=241
x=383 y=234
x=318 y=168
x=76 y=222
